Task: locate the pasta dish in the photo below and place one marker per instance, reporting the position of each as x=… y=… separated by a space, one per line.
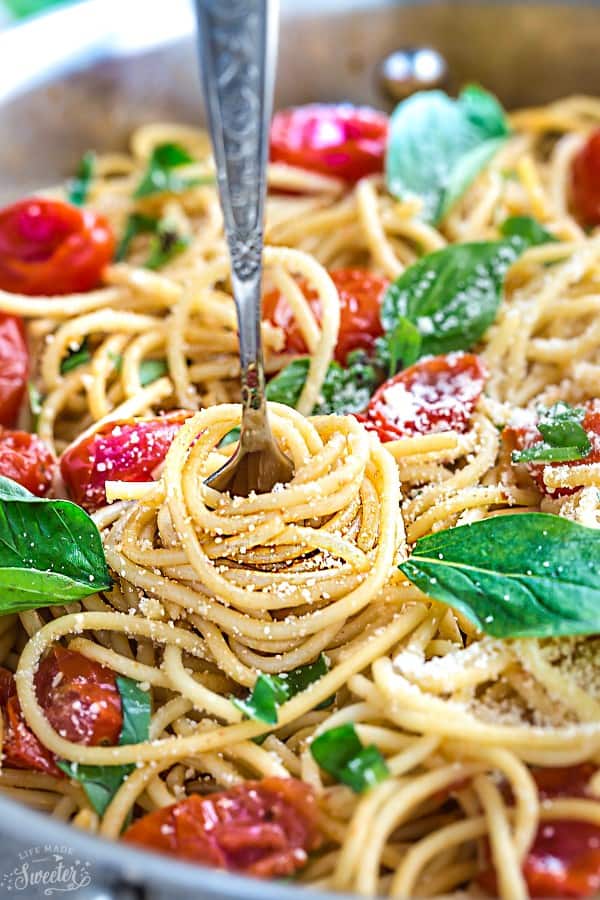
x=383 y=676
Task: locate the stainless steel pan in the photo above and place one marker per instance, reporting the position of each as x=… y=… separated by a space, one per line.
x=85 y=76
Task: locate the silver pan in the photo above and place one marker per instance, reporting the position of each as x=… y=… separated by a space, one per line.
x=85 y=77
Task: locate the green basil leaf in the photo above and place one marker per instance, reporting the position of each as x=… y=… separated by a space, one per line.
x=345 y=390
x=101 y=783
x=340 y=753
x=565 y=438
x=151 y=369
x=80 y=185
x=435 y=146
x=270 y=691
x=451 y=296
x=544 y=453
x=404 y=344
x=528 y=229
x=165 y=245
x=76 y=358
x=50 y=551
x=230 y=438
x=137 y=223
x=526 y=575
x=160 y=175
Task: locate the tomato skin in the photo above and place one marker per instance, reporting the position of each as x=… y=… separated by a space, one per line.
x=585 y=181
x=50 y=247
x=26 y=459
x=525 y=436
x=342 y=140
x=438 y=393
x=81 y=701
x=261 y=828
x=361 y=294
x=14 y=367
x=120 y=451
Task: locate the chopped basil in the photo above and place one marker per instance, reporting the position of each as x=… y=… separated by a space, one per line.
x=564 y=437
x=399 y=348
x=151 y=369
x=101 y=783
x=165 y=245
x=270 y=691
x=528 y=575
x=345 y=389
x=76 y=358
x=50 y=551
x=136 y=224
x=161 y=175
x=528 y=229
x=341 y=754
x=79 y=186
x=437 y=146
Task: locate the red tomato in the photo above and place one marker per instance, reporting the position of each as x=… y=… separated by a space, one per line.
x=585 y=181
x=361 y=294
x=333 y=139
x=50 y=247
x=567 y=781
x=14 y=367
x=436 y=394
x=120 y=451
x=522 y=437
x=25 y=458
x=263 y=828
x=80 y=699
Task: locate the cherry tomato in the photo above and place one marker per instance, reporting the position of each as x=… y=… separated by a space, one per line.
x=263 y=828
x=436 y=394
x=25 y=458
x=332 y=139
x=361 y=294
x=14 y=367
x=566 y=781
x=50 y=247
x=528 y=435
x=120 y=451
x=585 y=181
x=80 y=699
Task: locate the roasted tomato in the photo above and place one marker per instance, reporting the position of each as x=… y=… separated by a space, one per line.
x=263 y=828
x=50 y=247
x=436 y=394
x=332 y=139
x=585 y=181
x=80 y=698
x=361 y=294
x=526 y=436
x=25 y=458
x=120 y=451
x=14 y=367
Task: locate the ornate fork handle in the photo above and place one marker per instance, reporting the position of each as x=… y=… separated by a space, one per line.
x=237 y=57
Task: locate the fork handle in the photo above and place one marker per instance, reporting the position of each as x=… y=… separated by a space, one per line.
x=238 y=44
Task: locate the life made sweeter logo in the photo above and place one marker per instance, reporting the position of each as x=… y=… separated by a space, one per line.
x=49 y=869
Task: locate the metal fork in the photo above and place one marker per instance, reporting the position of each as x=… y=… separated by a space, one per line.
x=237 y=47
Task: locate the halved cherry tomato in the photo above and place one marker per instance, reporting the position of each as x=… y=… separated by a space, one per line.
x=585 y=181
x=436 y=394
x=25 y=458
x=120 y=451
x=14 y=367
x=50 y=247
x=361 y=294
x=333 y=139
x=263 y=828
x=81 y=701
x=524 y=436
x=566 y=781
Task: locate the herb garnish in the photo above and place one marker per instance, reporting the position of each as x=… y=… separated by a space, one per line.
x=270 y=691
x=340 y=752
x=564 y=437
x=79 y=187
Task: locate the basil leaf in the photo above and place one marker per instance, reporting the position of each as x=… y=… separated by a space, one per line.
x=450 y=296
x=565 y=438
x=50 y=551
x=76 y=358
x=542 y=453
x=345 y=390
x=136 y=224
x=80 y=185
x=101 y=783
x=436 y=146
x=166 y=244
x=341 y=754
x=528 y=229
x=401 y=347
x=151 y=369
x=270 y=691
x=230 y=438
x=526 y=575
x=160 y=175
